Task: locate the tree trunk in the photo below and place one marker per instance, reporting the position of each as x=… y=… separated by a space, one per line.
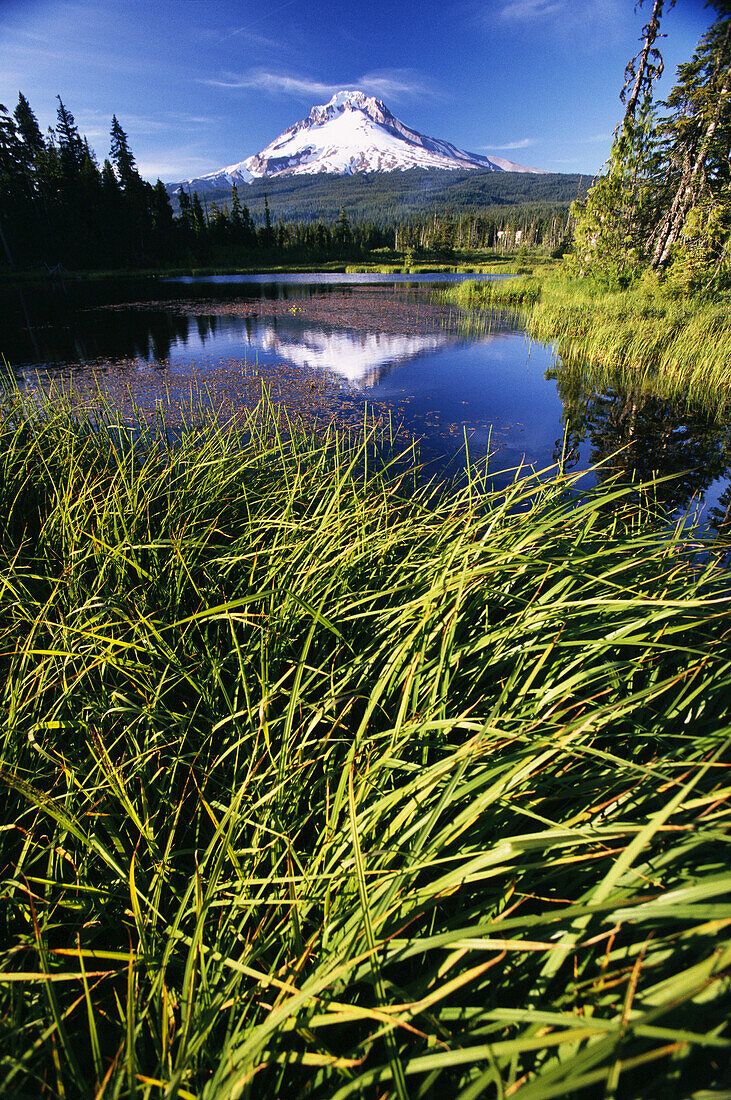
x=651 y=32
x=689 y=189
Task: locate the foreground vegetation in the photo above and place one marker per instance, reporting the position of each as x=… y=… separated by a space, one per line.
x=319 y=783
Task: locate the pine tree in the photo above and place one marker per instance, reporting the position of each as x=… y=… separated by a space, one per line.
x=694 y=230
x=11 y=150
x=162 y=210
x=647 y=66
x=29 y=129
x=13 y=185
x=121 y=156
x=198 y=217
x=268 y=234
x=665 y=200
x=242 y=227
x=343 y=233
x=282 y=235
x=237 y=217
x=612 y=223
x=109 y=179
x=186 y=215
x=249 y=227
x=70 y=145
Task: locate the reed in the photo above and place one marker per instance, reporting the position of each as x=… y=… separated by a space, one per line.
x=523 y=290
x=319 y=783
x=673 y=346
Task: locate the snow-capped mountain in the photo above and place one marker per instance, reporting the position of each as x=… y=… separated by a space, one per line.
x=352 y=133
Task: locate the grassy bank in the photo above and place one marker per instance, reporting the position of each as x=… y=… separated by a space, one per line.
x=668 y=345
x=316 y=785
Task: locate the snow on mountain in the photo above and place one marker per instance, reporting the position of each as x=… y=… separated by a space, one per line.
x=352 y=133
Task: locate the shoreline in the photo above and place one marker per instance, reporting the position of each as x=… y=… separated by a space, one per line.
x=396 y=264
x=664 y=344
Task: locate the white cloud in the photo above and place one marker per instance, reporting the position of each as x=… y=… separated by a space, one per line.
x=175 y=164
x=394 y=83
x=273 y=82
x=94 y=123
x=522 y=144
x=523 y=10
x=250 y=37
x=390 y=83
x=565 y=17
x=254 y=38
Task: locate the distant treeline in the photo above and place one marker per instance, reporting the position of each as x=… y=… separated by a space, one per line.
x=58 y=206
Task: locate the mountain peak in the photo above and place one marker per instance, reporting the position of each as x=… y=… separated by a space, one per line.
x=353 y=132
x=352 y=100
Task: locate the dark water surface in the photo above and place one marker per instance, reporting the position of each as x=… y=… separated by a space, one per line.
x=333 y=346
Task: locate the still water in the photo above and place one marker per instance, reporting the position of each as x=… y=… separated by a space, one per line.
x=334 y=347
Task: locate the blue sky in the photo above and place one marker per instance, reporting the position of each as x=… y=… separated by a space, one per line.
x=199 y=84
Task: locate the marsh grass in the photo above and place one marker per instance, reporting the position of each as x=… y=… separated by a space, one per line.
x=318 y=784
x=523 y=290
x=671 y=346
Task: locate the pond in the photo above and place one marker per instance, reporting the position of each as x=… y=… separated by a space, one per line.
x=338 y=348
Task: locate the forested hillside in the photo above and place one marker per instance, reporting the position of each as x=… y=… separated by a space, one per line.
x=387 y=198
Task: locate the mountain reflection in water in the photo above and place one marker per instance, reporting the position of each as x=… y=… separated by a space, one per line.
x=360 y=358
x=328 y=351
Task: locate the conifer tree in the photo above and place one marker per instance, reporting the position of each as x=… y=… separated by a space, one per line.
x=249 y=227
x=236 y=212
x=186 y=215
x=240 y=219
x=268 y=234
x=162 y=222
x=70 y=145
x=29 y=129
x=122 y=157
x=198 y=217
x=11 y=152
x=343 y=234
x=694 y=229
x=282 y=235
x=242 y=225
x=109 y=179
x=665 y=200
x=12 y=185
x=162 y=210
x=611 y=224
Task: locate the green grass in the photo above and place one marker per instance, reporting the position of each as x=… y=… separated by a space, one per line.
x=523 y=290
x=670 y=346
x=318 y=784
